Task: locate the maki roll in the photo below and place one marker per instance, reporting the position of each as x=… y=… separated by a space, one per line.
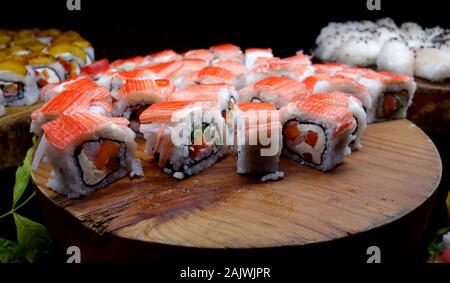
x=251 y=54
x=391 y=94
x=213 y=75
x=87 y=152
x=46 y=69
x=317 y=133
x=71 y=56
x=17 y=83
x=355 y=106
x=199 y=54
x=222 y=96
x=135 y=95
x=259 y=140
x=323 y=83
x=277 y=90
x=227 y=51
x=77 y=95
x=186 y=137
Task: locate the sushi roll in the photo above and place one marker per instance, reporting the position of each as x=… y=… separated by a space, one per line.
x=317 y=133
x=227 y=51
x=222 y=96
x=236 y=67
x=330 y=83
x=189 y=67
x=87 y=152
x=259 y=140
x=77 y=95
x=199 y=54
x=162 y=57
x=17 y=83
x=46 y=69
x=71 y=56
x=251 y=54
x=88 y=49
x=276 y=90
x=355 y=106
x=391 y=95
x=135 y=95
x=213 y=75
x=185 y=137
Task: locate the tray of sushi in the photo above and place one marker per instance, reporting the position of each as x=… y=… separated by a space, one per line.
x=32 y=58
x=191 y=109
x=407 y=49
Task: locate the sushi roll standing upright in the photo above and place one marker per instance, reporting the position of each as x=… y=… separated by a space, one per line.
x=17 y=83
x=259 y=140
x=186 y=137
x=87 y=152
x=317 y=133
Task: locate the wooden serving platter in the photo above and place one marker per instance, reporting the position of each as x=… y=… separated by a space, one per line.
x=395 y=172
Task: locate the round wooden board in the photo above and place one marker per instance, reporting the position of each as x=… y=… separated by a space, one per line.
x=396 y=171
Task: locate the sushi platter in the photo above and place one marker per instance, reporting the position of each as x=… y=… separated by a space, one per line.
x=218 y=208
x=231 y=148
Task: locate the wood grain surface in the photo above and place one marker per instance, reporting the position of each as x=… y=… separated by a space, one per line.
x=395 y=172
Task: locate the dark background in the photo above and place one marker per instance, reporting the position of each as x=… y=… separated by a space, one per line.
x=125 y=28
x=120 y=29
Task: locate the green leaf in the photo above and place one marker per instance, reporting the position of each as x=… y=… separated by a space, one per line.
x=23 y=174
x=33 y=238
x=436 y=245
x=10 y=252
